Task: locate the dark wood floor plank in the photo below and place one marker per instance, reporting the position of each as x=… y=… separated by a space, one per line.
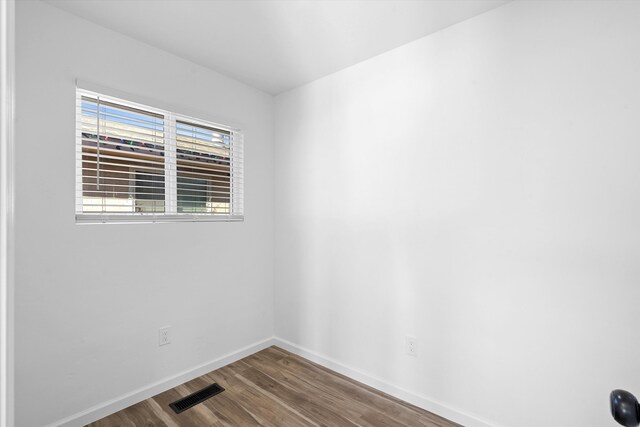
x=225 y=406
x=324 y=395
x=275 y=388
x=346 y=395
x=139 y=415
x=283 y=413
x=307 y=405
x=403 y=412
x=269 y=409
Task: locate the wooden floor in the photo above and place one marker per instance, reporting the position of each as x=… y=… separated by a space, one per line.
x=276 y=388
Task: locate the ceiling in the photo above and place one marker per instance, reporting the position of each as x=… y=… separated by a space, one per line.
x=276 y=45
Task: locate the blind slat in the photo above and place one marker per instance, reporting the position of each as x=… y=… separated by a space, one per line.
x=89 y=178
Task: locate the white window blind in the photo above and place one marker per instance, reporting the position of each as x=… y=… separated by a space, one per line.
x=139 y=163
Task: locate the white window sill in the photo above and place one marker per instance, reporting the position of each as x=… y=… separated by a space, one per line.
x=151 y=218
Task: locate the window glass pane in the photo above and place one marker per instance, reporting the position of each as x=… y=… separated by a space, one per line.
x=119 y=143
x=149 y=192
x=204 y=165
x=192 y=195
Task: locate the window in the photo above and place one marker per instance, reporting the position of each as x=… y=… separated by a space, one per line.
x=138 y=163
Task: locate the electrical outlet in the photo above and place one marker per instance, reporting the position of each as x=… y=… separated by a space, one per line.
x=410 y=346
x=164 y=336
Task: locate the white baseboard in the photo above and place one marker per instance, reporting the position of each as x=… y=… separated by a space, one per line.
x=109 y=407
x=418 y=400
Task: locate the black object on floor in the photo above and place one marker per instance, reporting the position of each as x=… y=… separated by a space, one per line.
x=193 y=399
x=625 y=408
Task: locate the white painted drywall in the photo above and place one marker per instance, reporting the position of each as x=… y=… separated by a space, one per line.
x=90 y=299
x=477 y=189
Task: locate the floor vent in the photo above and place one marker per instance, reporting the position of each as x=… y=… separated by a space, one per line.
x=195 y=398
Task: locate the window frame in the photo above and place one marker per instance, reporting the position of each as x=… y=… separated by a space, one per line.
x=171 y=164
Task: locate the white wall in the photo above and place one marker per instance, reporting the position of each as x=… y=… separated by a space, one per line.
x=476 y=189
x=90 y=298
